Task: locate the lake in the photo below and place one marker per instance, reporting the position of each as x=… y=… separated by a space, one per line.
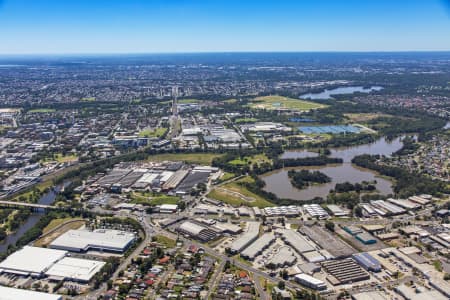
x=328 y=94
x=278 y=181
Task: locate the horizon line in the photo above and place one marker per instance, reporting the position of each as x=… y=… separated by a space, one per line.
x=219 y=52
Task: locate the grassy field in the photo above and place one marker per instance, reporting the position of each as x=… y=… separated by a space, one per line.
x=149 y=199
x=188 y=101
x=254 y=159
x=42 y=242
x=168 y=242
x=42 y=110
x=364 y=117
x=193 y=158
x=59 y=157
x=157 y=132
x=226 y=176
x=245 y=120
x=280 y=102
x=235 y=194
x=88 y=99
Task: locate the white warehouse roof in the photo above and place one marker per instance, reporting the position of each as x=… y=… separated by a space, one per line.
x=104 y=239
x=75 y=269
x=7 y=293
x=31 y=260
x=191 y=228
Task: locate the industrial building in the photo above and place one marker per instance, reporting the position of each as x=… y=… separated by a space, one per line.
x=310 y=282
x=99 y=239
x=286 y=211
x=168 y=208
x=387 y=208
x=74 y=269
x=250 y=235
x=315 y=210
x=406 y=204
x=372 y=295
x=197 y=231
x=344 y=271
x=284 y=257
x=258 y=246
x=367 y=261
x=365 y=238
x=296 y=241
x=7 y=293
x=337 y=211
x=31 y=261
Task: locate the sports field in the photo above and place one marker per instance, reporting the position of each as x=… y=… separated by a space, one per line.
x=281 y=102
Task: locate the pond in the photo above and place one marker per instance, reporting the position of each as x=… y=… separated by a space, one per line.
x=278 y=182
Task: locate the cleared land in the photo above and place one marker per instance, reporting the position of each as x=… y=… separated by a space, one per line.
x=236 y=194
x=193 y=158
x=281 y=102
x=169 y=243
x=69 y=224
x=363 y=117
x=157 y=132
x=150 y=199
x=42 y=110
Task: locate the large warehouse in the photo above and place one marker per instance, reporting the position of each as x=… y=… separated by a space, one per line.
x=32 y=261
x=257 y=247
x=41 y=262
x=198 y=231
x=7 y=293
x=100 y=239
x=75 y=269
x=344 y=271
x=250 y=235
x=296 y=241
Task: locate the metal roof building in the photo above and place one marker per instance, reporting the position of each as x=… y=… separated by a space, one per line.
x=100 y=239
x=75 y=269
x=296 y=241
x=242 y=242
x=367 y=261
x=310 y=282
x=258 y=246
x=7 y=293
x=32 y=261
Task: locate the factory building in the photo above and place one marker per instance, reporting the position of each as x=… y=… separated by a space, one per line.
x=387 y=208
x=197 y=231
x=296 y=241
x=74 y=269
x=258 y=246
x=99 y=239
x=367 y=261
x=337 y=211
x=315 y=210
x=310 y=282
x=284 y=257
x=344 y=271
x=20 y=294
x=286 y=211
x=365 y=238
x=248 y=237
x=31 y=261
x=53 y=264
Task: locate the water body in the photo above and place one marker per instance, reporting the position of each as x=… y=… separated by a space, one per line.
x=46 y=199
x=278 y=181
x=328 y=94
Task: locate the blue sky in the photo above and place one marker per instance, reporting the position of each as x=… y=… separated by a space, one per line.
x=148 y=26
